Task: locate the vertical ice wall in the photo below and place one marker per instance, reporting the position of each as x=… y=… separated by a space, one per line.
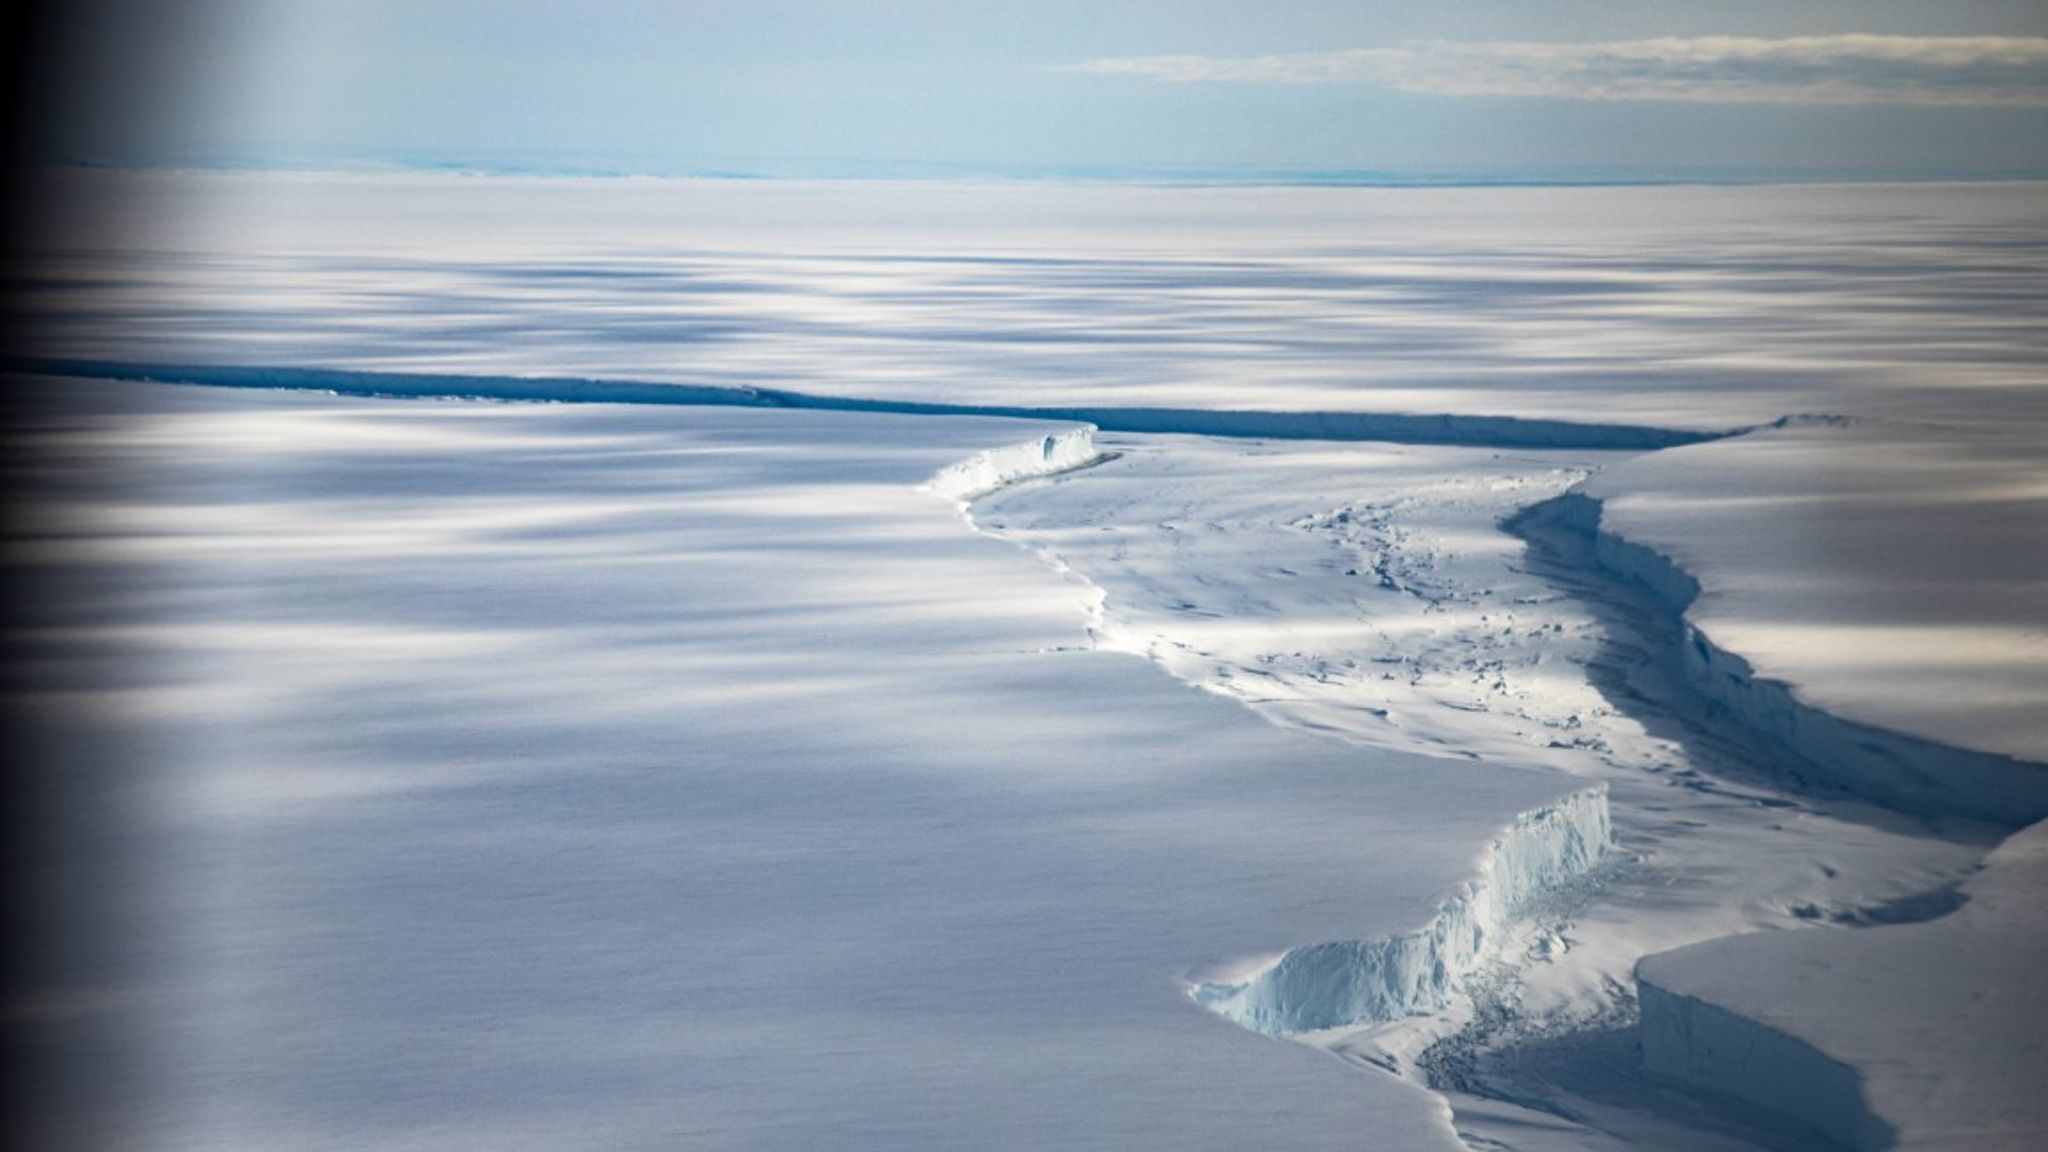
x=1709 y=1048
x=1362 y=981
x=984 y=472
x=1893 y=768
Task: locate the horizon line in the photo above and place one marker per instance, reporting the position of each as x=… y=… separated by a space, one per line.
x=1192 y=176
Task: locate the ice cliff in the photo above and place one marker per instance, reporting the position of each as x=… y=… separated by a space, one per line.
x=1897 y=769
x=984 y=472
x=1363 y=981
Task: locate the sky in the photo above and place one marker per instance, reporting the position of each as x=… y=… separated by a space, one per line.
x=1401 y=89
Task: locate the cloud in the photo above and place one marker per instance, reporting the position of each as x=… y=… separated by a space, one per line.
x=1847 y=69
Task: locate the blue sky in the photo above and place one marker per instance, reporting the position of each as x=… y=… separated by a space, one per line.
x=1537 y=89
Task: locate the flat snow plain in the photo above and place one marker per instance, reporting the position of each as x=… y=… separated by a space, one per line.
x=1686 y=307
x=1390 y=599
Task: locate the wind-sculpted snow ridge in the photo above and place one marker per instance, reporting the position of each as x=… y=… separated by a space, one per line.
x=1393 y=428
x=1901 y=771
x=1369 y=981
x=984 y=472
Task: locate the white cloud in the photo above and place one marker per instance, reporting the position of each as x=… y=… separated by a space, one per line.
x=1847 y=69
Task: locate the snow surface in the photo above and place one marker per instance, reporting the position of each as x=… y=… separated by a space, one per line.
x=1681 y=307
x=625 y=765
x=1929 y=1035
x=552 y=776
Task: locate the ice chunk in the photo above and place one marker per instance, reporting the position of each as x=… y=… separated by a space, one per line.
x=1361 y=981
x=984 y=472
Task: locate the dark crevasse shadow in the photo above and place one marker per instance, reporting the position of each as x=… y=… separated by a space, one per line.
x=1641 y=670
x=1595 y=1075
x=1392 y=428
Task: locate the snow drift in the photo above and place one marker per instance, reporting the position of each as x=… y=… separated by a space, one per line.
x=1365 y=981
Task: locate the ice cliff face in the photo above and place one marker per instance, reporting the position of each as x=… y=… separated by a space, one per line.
x=1363 y=981
x=984 y=472
x=1711 y=1049
x=1895 y=769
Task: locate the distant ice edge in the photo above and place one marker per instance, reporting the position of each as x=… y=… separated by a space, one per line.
x=1709 y=1049
x=985 y=472
x=1350 y=982
x=1388 y=427
x=1901 y=771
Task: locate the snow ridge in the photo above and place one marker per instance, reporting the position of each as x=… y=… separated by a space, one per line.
x=1368 y=981
x=1393 y=428
x=984 y=472
x=1900 y=771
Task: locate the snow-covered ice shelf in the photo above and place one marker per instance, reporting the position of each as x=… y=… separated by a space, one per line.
x=1873 y=596
x=1684 y=307
x=593 y=776
x=693 y=776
